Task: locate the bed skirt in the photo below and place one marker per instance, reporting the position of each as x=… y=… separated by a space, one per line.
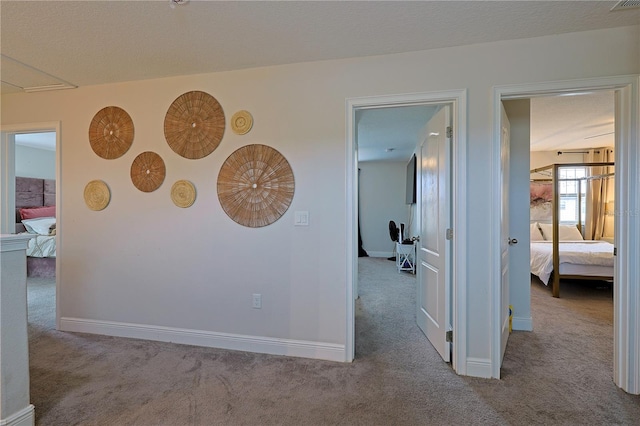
x=44 y=267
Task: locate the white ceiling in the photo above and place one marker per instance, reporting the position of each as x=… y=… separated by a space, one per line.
x=65 y=43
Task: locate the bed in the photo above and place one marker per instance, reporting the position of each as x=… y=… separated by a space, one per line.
x=583 y=259
x=35 y=214
x=559 y=250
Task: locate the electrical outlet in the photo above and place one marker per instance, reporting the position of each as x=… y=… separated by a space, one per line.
x=257 y=301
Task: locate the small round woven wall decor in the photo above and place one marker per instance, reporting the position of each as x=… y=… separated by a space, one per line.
x=148 y=171
x=111 y=132
x=194 y=125
x=241 y=122
x=97 y=195
x=183 y=193
x=255 y=185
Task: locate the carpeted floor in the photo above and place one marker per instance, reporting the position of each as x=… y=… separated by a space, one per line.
x=559 y=374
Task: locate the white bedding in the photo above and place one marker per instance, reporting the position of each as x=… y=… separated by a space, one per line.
x=588 y=253
x=42 y=246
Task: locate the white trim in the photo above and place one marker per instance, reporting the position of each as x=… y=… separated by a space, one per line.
x=24 y=417
x=626 y=364
x=522 y=324
x=8 y=185
x=379 y=253
x=459 y=291
x=237 y=342
x=479 y=367
x=14 y=242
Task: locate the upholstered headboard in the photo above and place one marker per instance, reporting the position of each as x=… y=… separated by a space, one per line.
x=33 y=192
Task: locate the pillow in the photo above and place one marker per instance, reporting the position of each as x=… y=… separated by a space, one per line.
x=40 y=225
x=36 y=212
x=534 y=232
x=565 y=232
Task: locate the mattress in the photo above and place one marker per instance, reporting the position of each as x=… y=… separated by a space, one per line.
x=588 y=258
x=42 y=246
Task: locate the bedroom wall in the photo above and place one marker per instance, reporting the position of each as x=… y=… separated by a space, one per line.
x=159 y=271
x=382 y=198
x=36 y=163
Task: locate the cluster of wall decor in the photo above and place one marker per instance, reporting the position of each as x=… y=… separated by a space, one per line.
x=255 y=184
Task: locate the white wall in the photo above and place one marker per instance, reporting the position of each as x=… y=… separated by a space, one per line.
x=36 y=163
x=382 y=198
x=194 y=270
x=546 y=158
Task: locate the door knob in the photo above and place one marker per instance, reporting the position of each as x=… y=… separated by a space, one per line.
x=512 y=241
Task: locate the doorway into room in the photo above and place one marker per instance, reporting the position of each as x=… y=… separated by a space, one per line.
x=31 y=185
x=623 y=129
x=458 y=101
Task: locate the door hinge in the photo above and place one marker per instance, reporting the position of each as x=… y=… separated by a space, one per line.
x=449 y=132
x=449 y=336
x=449 y=234
x=615 y=251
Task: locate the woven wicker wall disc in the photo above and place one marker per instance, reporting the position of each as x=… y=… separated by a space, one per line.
x=241 y=122
x=148 y=171
x=183 y=193
x=111 y=132
x=97 y=195
x=194 y=125
x=255 y=185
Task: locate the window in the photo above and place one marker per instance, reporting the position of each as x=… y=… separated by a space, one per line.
x=570 y=183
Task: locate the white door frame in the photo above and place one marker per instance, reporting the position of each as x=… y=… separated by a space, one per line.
x=626 y=298
x=458 y=98
x=8 y=184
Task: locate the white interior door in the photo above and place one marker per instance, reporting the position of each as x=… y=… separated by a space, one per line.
x=434 y=277
x=505 y=240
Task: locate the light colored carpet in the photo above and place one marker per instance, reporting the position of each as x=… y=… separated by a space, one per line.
x=559 y=374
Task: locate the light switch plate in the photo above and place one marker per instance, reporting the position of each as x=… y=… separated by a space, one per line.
x=301 y=218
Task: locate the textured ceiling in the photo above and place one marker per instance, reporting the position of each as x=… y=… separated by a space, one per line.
x=78 y=43
x=97 y=42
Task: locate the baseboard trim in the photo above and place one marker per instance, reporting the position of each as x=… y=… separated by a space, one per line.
x=479 y=367
x=522 y=324
x=24 y=417
x=380 y=253
x=267 y=345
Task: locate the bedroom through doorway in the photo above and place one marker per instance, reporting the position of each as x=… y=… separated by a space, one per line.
x=31 y=194
x=575 y=130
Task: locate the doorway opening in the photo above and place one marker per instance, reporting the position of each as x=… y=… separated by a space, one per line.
x=626 y=122
x=457 y=99
x=31 y=196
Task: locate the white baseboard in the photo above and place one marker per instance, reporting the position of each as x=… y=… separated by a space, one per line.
x=479 y=367
x=24 y=417
x=379 y=253
x=522 y=324
x=267 y=345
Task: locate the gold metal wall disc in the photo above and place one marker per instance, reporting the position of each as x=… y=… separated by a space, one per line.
x=148 y=171
x=97 y=195
x=255 y=185
x=183 y=193
x=194 y=125
x=111 y=132
x=241 y=122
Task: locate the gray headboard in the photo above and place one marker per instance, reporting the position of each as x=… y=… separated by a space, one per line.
x=33 y=192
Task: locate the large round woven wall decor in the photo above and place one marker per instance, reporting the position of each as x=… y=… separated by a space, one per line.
x=97 y=195
x=241 y=122
x=183 y=193
x=194 y=125
x=255 y=185
x=111 y=132
x=148 y=171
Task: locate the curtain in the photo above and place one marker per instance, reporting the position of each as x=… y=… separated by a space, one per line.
x=599 y=192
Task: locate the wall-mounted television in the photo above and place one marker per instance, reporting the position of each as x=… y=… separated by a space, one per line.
x=411 y=181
